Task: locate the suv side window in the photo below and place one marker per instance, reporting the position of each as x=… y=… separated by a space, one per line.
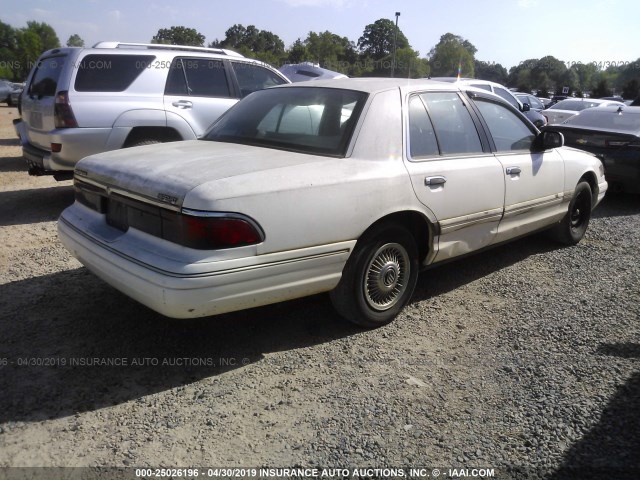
x=254 y=77
x=422 y=138
x=45 y=80
x=509 y=132
x=454 y=128
x=199 y=77
x=110 y=73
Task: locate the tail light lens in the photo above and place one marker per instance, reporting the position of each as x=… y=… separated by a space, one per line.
x=64 y=117
x=211 y=232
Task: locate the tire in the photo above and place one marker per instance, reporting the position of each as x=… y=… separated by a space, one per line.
x=573 y=226
x=148 y=141
x=379 y=277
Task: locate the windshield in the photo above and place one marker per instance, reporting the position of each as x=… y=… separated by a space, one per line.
x=310 y=120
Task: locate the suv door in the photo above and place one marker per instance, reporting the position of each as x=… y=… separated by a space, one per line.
x=453 y=172
x=198 y=91
x=252 y=77
x=534 y=181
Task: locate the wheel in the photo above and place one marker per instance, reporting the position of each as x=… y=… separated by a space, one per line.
x=573 y=226
x=148 y=141
x=379 y=277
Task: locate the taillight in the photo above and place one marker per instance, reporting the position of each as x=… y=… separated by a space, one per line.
x=64 y=117
x=214 y=232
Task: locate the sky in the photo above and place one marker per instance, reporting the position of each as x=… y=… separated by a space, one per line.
x=504 y=31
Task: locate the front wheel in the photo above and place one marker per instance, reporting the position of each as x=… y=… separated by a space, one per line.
x=379 y=278
x=574 y=225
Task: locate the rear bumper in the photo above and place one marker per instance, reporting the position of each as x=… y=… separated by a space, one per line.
x=77 y=143
x=204 y=288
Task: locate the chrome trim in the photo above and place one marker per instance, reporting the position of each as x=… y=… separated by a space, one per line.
x=452 y=224
x=125 y=193
x=531 y=205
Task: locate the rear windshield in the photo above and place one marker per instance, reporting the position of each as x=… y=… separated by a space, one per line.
x=310 y=120
x=611 y=120
x=45 y=79
x=110 y=73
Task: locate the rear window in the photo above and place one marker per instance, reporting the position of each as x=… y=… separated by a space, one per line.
x=45 y=79
x=573 y=105
x=110 y=73
x=308 y=120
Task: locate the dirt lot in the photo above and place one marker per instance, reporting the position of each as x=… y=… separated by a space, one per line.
x=523 y=359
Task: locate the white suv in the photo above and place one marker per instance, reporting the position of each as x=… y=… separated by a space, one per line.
x=81 y=101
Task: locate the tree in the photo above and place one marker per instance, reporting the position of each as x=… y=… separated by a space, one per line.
x=602 y=89
x=8 y=47
x=46 y=34
x=179 y=36
x=298 y=52
x=494 y=72
x=451 y=54
x=331 y=51
x=377 y=39
x=631 y=89
x=75 y=41
x=253 y=42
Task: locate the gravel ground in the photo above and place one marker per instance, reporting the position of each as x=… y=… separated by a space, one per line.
x=523 y=359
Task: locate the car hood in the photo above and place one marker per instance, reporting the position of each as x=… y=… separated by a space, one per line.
x=168 y=172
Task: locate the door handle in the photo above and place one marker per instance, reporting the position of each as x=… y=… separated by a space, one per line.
x=182 y=104
x=437 y=180
x=513 y=170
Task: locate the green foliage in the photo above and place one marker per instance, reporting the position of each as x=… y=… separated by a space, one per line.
x=631 y=90
x=179 y=36
x=451 y=53
x=75 y=41
x=377 y=39
x=255 y=43
x=494 y=72
x=602 y=89
x=46 y=34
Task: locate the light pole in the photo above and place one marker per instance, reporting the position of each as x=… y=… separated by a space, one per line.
x=395 y=41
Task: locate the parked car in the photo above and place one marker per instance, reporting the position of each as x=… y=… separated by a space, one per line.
x=546 y=102
x=566 y=109
x=6 y=88
x=613 y=134
x=533 y=101
x=14 y=96
x=534 y=117
x=305 y=71
x=80 y=101
x=349 y=186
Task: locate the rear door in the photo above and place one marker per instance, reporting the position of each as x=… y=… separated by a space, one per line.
x=198 y=90
x=453 y=172
x=38 y=101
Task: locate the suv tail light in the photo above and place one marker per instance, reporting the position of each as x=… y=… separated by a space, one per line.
x=64 y=117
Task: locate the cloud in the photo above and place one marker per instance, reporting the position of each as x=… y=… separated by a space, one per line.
x=318 y=3
x=527 y=3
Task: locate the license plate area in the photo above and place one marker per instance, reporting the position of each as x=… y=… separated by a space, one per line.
x=117 y=215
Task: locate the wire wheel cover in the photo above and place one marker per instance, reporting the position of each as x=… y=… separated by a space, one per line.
x=386 y=276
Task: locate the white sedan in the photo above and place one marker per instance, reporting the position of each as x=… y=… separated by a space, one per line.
x=565 y=109
x=344 y=186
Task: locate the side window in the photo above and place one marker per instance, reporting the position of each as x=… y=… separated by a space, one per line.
x=198 y=77
x=110 y=73
x=535 y=103
x=452 y=123
x=507 y=96
x=422 y=138
x=254 y=77
x=509 y=132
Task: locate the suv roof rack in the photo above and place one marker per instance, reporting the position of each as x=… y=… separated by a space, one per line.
x=161 y=46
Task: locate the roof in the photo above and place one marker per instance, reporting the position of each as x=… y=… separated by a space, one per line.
x=371 y=85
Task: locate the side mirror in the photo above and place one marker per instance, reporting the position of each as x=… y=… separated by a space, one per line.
x=547 y=140
x=526 y=107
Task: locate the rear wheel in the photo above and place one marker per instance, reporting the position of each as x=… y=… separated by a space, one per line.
x=573 y=226
x=379 y=277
